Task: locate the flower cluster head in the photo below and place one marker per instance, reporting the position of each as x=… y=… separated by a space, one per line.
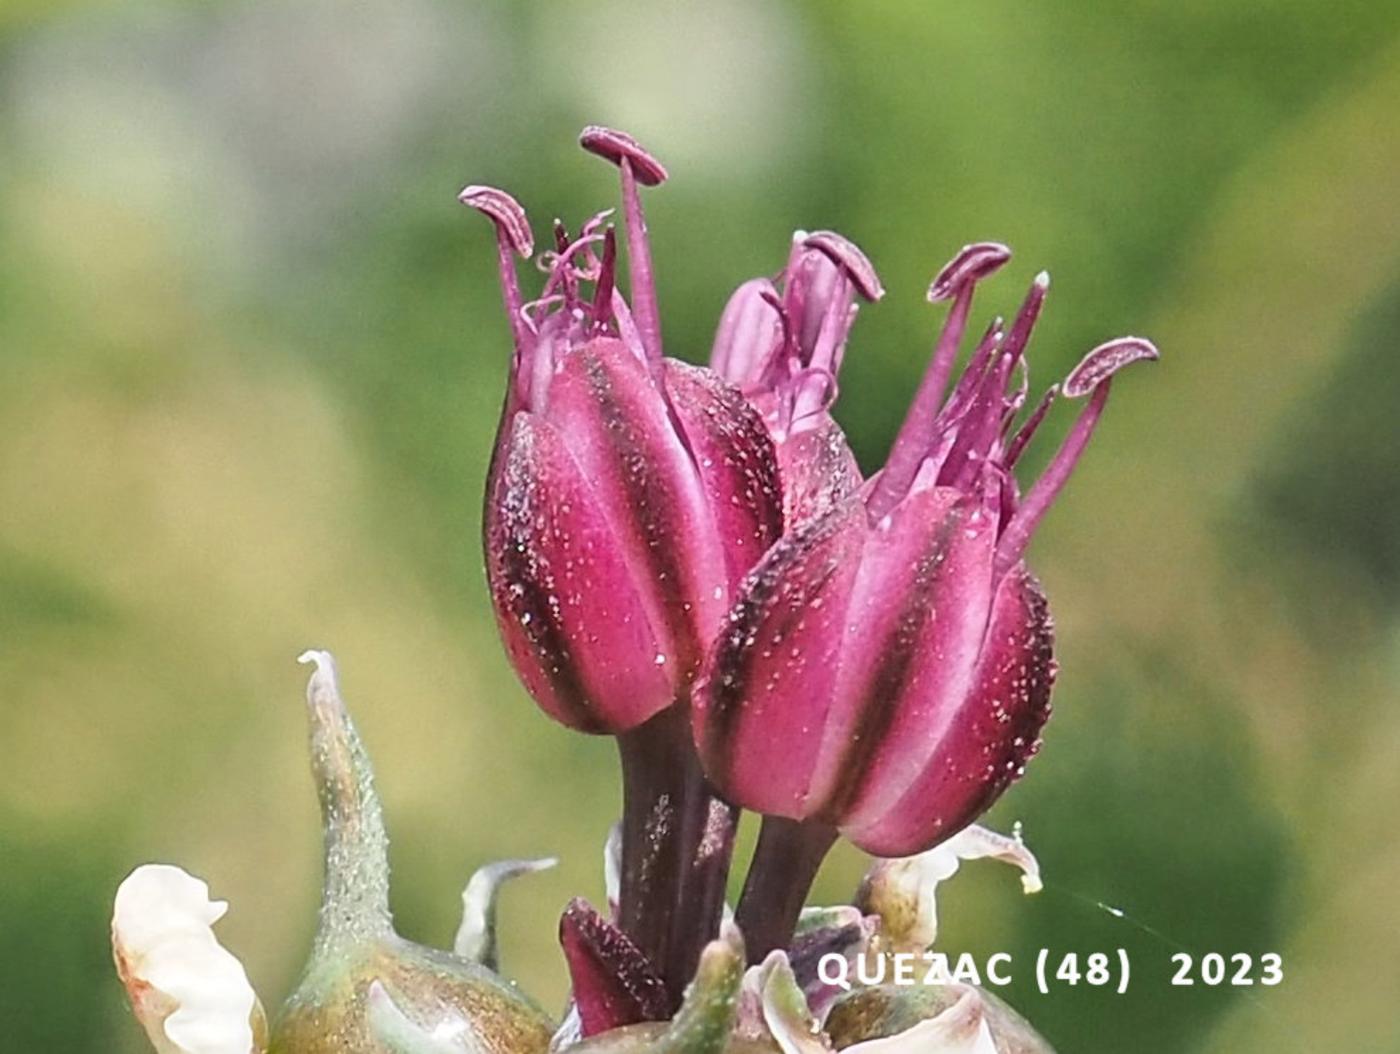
x=690 y=559
x=871 y=653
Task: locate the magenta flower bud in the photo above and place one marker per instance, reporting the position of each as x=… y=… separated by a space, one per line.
x=628 y=493
x=784 y=349
x=612 y=982
x=887 y=668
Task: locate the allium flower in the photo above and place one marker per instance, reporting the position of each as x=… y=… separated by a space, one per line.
x=628 y=496
x=628 y=493
x=887 y=668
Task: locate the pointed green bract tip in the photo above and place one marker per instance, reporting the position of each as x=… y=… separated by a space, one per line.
x=365 y=990
x=706 y=1017
x=355 y=893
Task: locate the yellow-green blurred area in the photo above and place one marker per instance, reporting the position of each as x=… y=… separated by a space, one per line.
x=251 y=356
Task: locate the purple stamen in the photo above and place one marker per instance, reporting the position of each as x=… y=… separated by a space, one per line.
x=1028 y=314
x=971 y=379
x=829 y=344
x=957 y=280
x=1092 y=374
x=561 y=269
x=811 y=287
x=590 y=270
x=596 y=221
x=770 y=370
x=637 y=166
x=639 y=258
x=1027 y=430
x=512 y=235
x=615 y=146
x=539 y=306
x=770 y=295
x=980 y=427
x=1017 y=399
x=972 y=264
x=603 y=292
x=505 y=212
x=1106 y=360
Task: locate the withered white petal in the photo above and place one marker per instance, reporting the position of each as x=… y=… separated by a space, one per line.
x=903 y=891
x=189 y=993
x=975 y=842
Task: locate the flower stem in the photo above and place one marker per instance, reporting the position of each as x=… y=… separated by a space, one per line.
x=677 y=840
x=707 y=846
x=785 y=863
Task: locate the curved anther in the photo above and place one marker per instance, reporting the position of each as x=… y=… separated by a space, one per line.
x=505 y=212
x=1106 y=360
x=972 y=263
x=617 y=147
x=846 y=255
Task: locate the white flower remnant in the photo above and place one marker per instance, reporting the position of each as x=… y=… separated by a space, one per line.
x=903 y=891
x=189 y=993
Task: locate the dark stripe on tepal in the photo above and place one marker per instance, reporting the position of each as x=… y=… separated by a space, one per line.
x=729 y=680
x=661 y=535
x=877 y=712
x=530 y=607
x=734 y=657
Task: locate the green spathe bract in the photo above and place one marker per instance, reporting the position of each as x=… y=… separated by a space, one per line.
x=365 y=988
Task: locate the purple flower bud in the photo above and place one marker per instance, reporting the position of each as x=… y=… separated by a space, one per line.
x=888 y=665
x=628 y=494
x=613 y=983
x=784 y=349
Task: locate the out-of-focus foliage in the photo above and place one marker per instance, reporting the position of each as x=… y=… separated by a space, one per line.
x=250 y=359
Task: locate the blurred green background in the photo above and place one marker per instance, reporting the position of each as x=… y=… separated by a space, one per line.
x=250 y=362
